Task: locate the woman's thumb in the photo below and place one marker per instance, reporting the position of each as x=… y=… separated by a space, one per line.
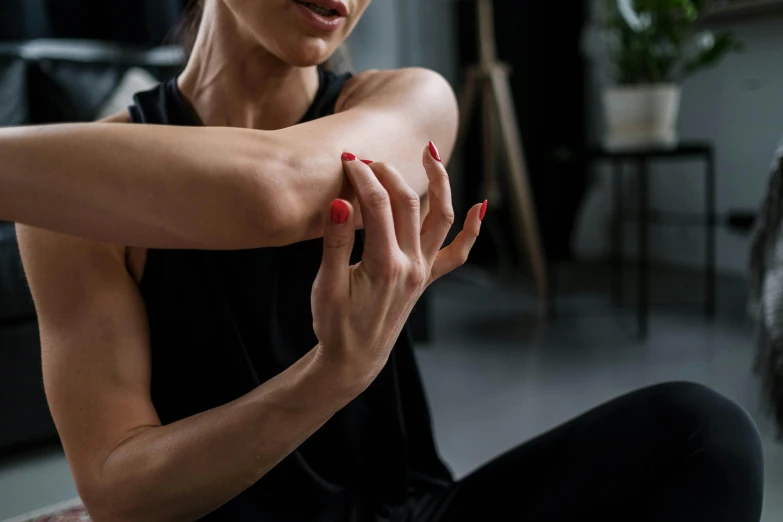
x=338 y=241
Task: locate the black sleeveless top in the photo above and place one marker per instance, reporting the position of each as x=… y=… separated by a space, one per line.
x=223 y=322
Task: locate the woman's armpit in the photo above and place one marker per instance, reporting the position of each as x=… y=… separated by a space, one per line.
x=120 y=117
x=136 y=260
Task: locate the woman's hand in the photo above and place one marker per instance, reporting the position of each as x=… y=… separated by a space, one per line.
x=359 y=310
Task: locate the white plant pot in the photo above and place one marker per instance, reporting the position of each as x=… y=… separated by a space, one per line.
x=641 y=115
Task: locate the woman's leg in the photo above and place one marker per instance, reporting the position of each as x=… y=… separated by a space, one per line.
x=673 y=452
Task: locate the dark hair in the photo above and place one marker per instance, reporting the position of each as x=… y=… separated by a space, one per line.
x=339 y=62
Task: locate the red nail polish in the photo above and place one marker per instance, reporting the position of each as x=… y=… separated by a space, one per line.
x=339 y=212
x=434 y=151
x=367 y=162
x=483 y=210
x=347 y=156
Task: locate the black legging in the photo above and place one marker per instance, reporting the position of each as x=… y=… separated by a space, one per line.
x=674 y=452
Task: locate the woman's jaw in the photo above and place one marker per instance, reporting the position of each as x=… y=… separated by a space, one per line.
x=299 y=32
x=316 y=29
x=253 y=61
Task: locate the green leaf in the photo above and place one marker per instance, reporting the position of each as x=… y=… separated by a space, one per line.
x=662 y=48
x=706 y=58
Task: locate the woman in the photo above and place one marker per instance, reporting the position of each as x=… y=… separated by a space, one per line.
x=261 y=384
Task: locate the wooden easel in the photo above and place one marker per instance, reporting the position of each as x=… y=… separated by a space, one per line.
x=491 y=79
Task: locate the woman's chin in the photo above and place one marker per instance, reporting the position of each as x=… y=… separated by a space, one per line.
x=309 y=62
x=309 y=54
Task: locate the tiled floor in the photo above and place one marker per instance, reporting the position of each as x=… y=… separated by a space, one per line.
x=497 y=375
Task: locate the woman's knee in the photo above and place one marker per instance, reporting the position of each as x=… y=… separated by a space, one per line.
x=695 y=406
x=719 y=443
x=723 y=428
x=705 y=408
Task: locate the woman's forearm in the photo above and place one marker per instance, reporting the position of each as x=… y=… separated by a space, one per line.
x=187 y=469
x=175 y=187
x=149 y=186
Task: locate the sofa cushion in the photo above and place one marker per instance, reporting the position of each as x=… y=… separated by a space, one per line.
x=24 y=413
x=63 y=91
x=16 y=303
x=46 y=81
x=13 y=92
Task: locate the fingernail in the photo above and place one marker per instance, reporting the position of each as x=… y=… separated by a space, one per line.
x=347 y=156
x=367 y=162
x=483 y=210
x=339 y=212
x=434 y=151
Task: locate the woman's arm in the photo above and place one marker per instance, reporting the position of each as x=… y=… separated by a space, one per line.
x=219 y=188
x=96 y=366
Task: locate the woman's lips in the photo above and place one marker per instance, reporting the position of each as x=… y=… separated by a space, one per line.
x=318 y=21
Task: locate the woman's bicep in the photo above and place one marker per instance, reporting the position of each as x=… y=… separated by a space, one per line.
x=387 y=116
x=420 y=104
x=95 y=346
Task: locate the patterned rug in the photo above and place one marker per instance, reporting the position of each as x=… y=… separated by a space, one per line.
x=71 y=511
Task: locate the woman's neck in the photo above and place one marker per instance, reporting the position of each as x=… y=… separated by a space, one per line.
x=232 y=81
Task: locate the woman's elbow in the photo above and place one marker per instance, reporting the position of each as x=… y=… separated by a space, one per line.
x=245 y=212
x=275 y=222
x=289 y=209
x=119 y=494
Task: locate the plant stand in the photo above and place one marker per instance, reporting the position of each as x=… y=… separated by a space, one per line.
x=490 y=79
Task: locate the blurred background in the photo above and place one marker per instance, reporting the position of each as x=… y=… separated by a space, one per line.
x=617 y=249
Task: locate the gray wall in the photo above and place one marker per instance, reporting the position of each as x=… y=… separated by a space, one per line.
x=400 y=33
x=739 y=106
x=376 y=40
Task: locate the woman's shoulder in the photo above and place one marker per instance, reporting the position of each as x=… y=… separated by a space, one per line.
x=413 y=74
x=407 y=78
x=409 y=82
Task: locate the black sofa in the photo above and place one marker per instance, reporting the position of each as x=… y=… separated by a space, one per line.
x=49 y=82
x=24 y=417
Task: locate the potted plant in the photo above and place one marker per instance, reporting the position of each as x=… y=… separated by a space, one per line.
x=653 y=46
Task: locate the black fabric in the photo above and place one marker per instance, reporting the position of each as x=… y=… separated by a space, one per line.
x=67 y=91
x=221 y=323
x=24 y=413
x=16 y=301
x=675 y=452
x=24 y=19
x=138 y=22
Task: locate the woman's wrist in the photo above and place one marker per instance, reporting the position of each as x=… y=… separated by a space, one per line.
x=343 y=375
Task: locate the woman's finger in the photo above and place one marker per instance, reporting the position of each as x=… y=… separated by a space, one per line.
x=339 y=236
x=440 y=217
x=456 y=254
x=348 y=194
x=405 y=206
x=375 y=204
